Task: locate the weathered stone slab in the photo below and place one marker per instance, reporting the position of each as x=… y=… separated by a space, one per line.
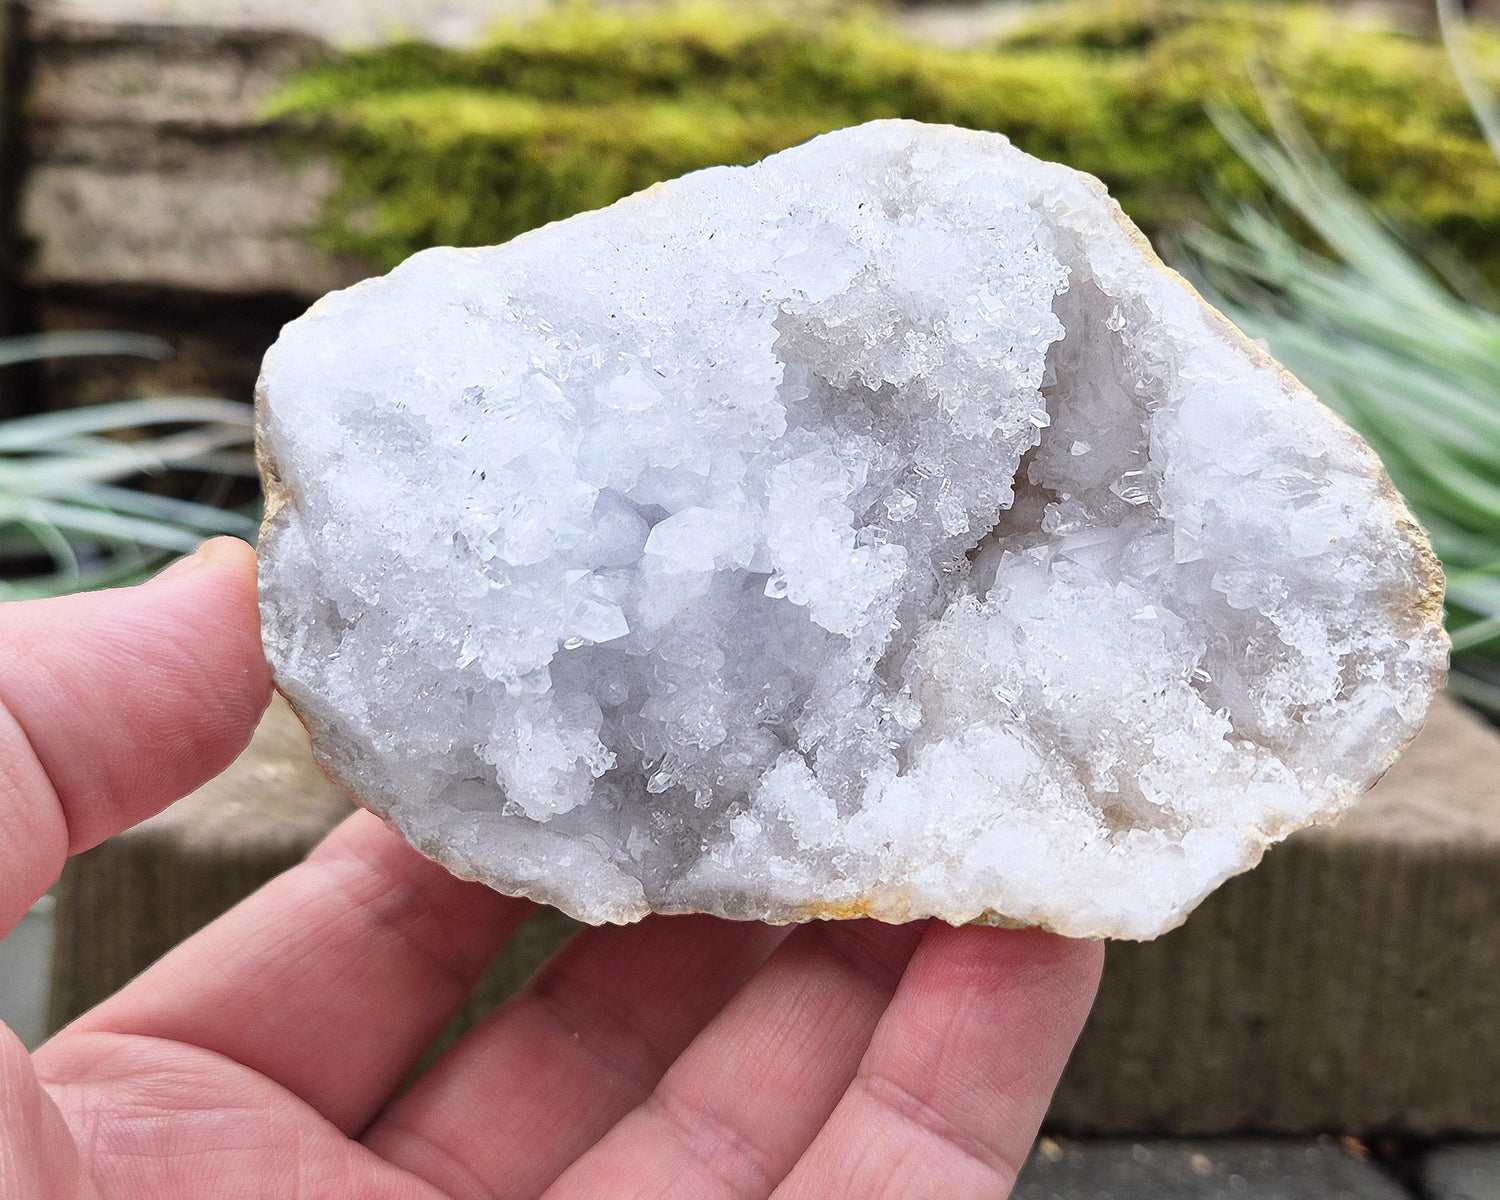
x=1463 y=1172
x=1248 y=1170
x=341 y=22
x=110 y=64
x=151 y=165
x=151 y=168
x=210 y=217
x=154 y=184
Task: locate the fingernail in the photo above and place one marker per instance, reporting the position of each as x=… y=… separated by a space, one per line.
x=188 y=562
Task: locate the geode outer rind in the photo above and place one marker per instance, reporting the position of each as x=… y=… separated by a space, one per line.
x=1035 y=704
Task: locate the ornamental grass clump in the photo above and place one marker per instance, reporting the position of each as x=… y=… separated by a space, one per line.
x=76 y=510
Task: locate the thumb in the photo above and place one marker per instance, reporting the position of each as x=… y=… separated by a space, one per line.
x=113 y=704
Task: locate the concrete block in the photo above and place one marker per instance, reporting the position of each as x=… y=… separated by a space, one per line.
x=1234 y=1170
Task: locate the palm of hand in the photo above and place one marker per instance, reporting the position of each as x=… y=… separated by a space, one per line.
x=682 y=1057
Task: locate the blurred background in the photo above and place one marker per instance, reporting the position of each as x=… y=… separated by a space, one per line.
x=180 y=177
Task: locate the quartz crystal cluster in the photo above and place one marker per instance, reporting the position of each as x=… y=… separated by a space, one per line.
x=876 y=530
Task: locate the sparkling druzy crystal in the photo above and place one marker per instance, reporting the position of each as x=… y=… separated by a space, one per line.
x=877 y=530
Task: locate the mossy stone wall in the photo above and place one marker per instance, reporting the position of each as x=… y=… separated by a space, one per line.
x=572 y=111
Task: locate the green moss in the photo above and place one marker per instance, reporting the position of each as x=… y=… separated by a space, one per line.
x=576 y=109
x=450 y=167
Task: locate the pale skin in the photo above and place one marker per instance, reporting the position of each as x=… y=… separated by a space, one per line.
x=681 y=1057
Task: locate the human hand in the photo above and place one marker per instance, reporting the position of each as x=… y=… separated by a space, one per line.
x=681 y=1057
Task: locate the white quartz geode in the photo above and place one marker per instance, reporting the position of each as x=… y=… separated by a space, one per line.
x=877 y=530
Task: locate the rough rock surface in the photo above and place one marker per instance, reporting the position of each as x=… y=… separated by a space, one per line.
x=878 y=530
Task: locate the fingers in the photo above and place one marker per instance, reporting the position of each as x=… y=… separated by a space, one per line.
x=37 y=1153
x=163 y=1121
x=960 y=1071
x=741 y=1105
x=113 y=704
x=331 y=980
x=506 y=1110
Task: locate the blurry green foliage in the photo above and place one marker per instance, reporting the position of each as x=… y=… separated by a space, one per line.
x=580 y=107
x=76 y=507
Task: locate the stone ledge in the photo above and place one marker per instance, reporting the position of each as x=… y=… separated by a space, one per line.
x=89 y=71
x=226 y=216
x=150 y=164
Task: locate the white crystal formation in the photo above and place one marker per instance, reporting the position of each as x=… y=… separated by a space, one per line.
x=876 y=530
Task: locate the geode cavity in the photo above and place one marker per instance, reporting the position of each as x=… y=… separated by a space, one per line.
x=877 y=530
